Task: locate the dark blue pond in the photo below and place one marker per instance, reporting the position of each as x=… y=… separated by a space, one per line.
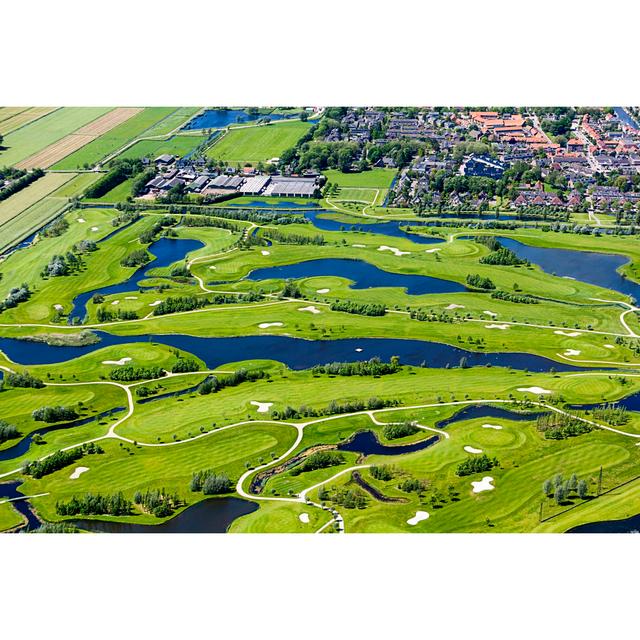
x=21 y=447
x=367 y=443
x=487 y=411
x=594 y=268
x=166 y=252
x=627 y=525
x=363 y=274
x=296 y=353
x=630 y=402
x=11 y=490
x=209 y=516
x=219 y=118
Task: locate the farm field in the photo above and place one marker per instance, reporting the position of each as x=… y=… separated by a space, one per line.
x=190 y=362
x=28 y=140
x=12 y=118
x=119 y=136
x=258 y=143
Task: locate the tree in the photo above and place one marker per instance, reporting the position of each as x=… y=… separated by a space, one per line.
x=547 y=487
x=560 y=494
x=573 y=483
x=583 y=489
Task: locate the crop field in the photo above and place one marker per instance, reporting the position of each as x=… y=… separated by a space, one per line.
x=32 y=138
x=116 y=138
x=12 y=118
x=257 y=143
x=176 y=145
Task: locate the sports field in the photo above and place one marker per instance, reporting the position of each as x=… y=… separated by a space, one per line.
x=257 y=143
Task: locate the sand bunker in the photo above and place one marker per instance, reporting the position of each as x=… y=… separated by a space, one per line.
x=537 y=390
x=304 y=518
x=310 y=308
x=570 y=334
x=58 y=307
x=496 y=326
x=359 y=246
x=469 y=449
x=394 y=250
x=265 y=253
x=94 y=228
x=155 y=303
x=497 y=427
x=116 y=302
x=81 y=220
x=419 y=517
x=213 y=266
x=131 y=297
x=432 y=250
x=266 y=325
x=118 y=362
x=490 y=313
x=454 y=306
x=323 y=290
x=572 y=352
x=78 y=472
x=263 y=407
x=609 y=346
x=482 y=485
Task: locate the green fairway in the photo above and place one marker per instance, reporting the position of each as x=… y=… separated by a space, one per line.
x=257 y=143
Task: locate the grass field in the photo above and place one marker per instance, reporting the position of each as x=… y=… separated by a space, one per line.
x=12 y=118
x=259 y=143
x=113 y=140
x=37 y=135
x=377 y=178
x=177 y=145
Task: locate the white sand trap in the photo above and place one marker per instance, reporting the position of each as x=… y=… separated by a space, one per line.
x=359 y=246
x=58 y=307
x=94 y=228
x=496 y=326
x=609 y=346
x=304 y=518
x=78 y=472
x=213 y=266
x=537 y=390
x=81 y=220
x=358 y=349
x=469 y=449
x=118 y=362
x=497 y=427
x=432 y=250
x=572 y=352
x=265 y=253
x=266 y=325
x=131 y=297
x=483 y=485
x=323 y=290
x=310 y=308
x=569 y=334
x=454 y=306
x=394 y=250
x=419 y=517
x=263 y=407
x=490 y=313
x=568 y=277
x=155 y=303
x=116 y=302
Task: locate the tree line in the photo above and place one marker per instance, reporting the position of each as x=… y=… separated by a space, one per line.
x=359 y=308
x=129 y=373
x=333 y=408
x=59 y=460
x=20 y=183
x=95 y=505
x=371 y=367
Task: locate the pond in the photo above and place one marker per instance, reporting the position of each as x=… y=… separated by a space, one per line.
x=627 y=525
x=219 y=118
x=363 y=274
x=11 y=490
x=214 y=515
x=367 y=443
x=166 y=252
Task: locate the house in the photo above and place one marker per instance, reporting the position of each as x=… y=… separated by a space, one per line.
x=164 y=159
x=483 y=166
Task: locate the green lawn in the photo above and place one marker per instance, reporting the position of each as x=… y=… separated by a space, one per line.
x=377 y=178
x=177 y=145
x=9 y=517
x=257 y=143
x=40 y=133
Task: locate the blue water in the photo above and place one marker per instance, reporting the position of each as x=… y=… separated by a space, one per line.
x=363 y=274
x=11 y=490
x=368 y=444
x=627 y=525
x=219 y=118
x=21 y=447
x=594 y=268
x=625 y=117
x=214 y=515
x=486 y=411
x=296 y=353
x=166 y=252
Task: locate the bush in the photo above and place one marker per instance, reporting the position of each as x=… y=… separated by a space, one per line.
x=54 y=414
x=477 y=464
x=399 y=430
x=318 y=460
